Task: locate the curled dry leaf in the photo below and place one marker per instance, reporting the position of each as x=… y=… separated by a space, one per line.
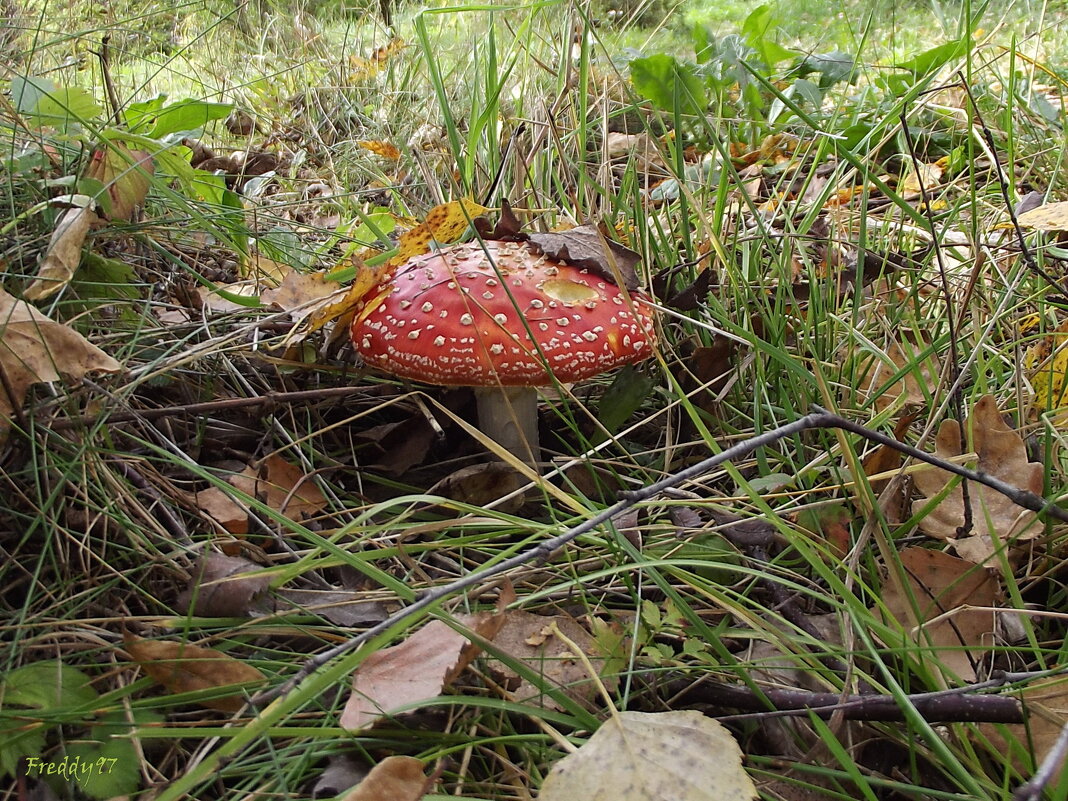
x=535 y=641
x=637 y=756
x=35 y=349
x=996 y=520
x=224 y=510
x=930 y=609
x=443 y=224
x=395 y=778
x=64 y=252
x=183 y=668
x=416 y=670
x=223 y=586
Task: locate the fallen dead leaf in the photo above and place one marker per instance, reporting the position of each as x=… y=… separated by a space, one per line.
x=395 y=778
x=224 y=510
x=996 y=520
x=937 y=584
x=301 y=294
x=1051 y=217
x=34 y=348
x=1046 y=704
x=414 y=671
x=638 y=756
x=183 y=668
x=64 y=253
x=282 y=486
x=907 y=376
x=534 y=640
x=340 y=607
x=223 y=586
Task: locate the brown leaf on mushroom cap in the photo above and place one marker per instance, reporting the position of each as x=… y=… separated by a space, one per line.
x=587 y=248
x=995 y=518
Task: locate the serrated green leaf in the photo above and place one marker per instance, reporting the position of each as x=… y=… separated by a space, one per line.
x=46 y=685
x=18 y=740
x=98 y=775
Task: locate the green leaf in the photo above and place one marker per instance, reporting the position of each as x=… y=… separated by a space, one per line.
x=833 y=67
x=628 y=391
x=935 y=58
x=669 y=83
x=187 y=116
x=47 y=104
x=17 y=741
x=107 y=766
x=756 y=28
x=47 y=685
x=139 y=117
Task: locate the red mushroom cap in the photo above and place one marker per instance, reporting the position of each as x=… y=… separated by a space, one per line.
x=447 y=318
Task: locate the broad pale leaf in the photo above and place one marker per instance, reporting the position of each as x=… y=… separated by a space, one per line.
x=395 y=778
x=639 y=756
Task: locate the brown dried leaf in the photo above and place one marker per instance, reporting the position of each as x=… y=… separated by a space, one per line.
x=395 y=778
x=891 y=383
x=223 y=586
x=301 y=294
x=416 y=670
x=35 y=349
x=535 y=641
x=340 y=607
x=479 y=484
x=64 y=253
x=284 y=487
x=1051 y=217
x=939 y=583
x=224 y=510
x=1046 y=704
x=587 y=248
x=637 y=756
x=995 y=519
x=183 y=668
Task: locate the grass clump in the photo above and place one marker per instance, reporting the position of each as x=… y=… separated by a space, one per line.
x=819 y=200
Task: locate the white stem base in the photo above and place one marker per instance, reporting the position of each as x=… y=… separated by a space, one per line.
x=509 y=416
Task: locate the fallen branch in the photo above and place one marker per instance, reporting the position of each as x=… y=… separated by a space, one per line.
x=820 y=418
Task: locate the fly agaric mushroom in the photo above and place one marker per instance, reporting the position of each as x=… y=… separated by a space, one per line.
x=504 y=319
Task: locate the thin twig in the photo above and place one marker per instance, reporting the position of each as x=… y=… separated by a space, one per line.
x=820 y=418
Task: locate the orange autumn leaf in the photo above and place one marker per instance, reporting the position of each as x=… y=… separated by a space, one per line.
x=183 y=668
x=444 y=224
x=397 y=778
x=384 y=149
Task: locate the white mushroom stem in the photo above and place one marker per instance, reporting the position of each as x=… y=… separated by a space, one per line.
x=509 y=416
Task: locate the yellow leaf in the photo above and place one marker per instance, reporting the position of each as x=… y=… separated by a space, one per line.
x=1047 y=363
x=444 y=224
x=1051 y=217
x=384 y=149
